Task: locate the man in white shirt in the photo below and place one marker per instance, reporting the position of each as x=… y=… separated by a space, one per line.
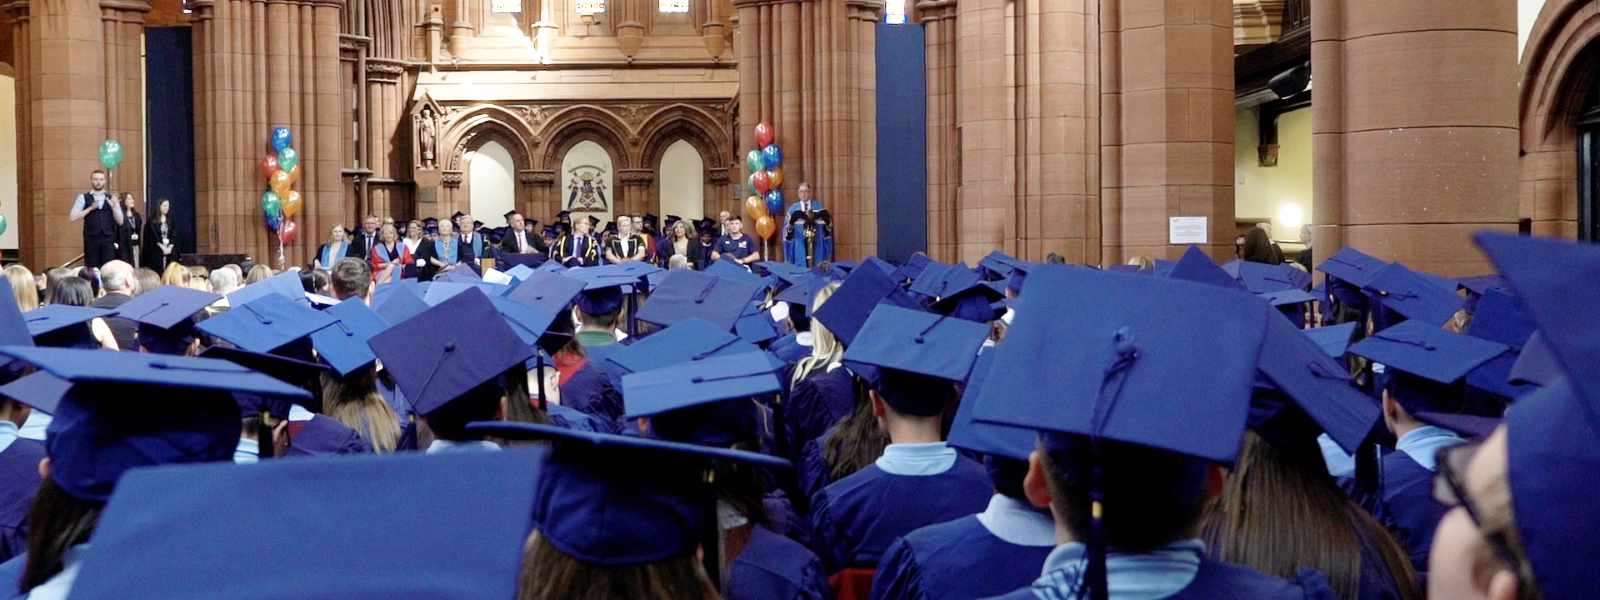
x=518 y=240
x=101 y=217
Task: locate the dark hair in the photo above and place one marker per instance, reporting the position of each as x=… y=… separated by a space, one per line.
x=550 y=574
x=1007 y=474
x=856 y=441
x=72 y=291
x=1150 y=496
x=91 y=277
x=56 y=522
x=1258 y=247
x=520 y=405
x=1281 y=512
x=482 y=403
x=350 y=278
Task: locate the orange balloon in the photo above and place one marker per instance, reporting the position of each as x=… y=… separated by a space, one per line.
x=294 y=175
x=280 y=183
x=292 y=204
x=775 y=177
x=755 y=208
x=766 y=226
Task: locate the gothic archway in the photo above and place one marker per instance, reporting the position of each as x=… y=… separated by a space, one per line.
x=570 y=126
x=462 y=133
x=702 y=131
x=1560 y=66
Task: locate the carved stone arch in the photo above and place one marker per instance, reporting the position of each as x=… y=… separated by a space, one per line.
x=469 y=130
x=702 y=131
x=585 y=122
x=1560 y=65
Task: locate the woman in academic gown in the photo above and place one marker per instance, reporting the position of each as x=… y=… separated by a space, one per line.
x=389 y=256
x=441 y=254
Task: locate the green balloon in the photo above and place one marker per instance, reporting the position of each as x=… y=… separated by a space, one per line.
x=3 y=224
x=288 y=158
x=110 y=154
x=754 y=161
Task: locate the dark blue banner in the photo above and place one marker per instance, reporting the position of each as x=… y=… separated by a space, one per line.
x=902 y=142
x=169 y=125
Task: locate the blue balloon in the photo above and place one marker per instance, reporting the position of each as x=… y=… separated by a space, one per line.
x=281 y=138
x=775 y=203
x=274 y=221
x=771 y=156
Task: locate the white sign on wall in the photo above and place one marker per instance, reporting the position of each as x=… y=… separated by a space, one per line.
x=506 y=6
x=1186 y=230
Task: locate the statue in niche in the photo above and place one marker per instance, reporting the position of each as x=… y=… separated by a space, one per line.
x=427 y=137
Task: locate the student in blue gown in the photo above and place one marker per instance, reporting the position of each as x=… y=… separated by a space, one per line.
x=912 y=361
x=1006 y=543
x=1422 y=370
x=451 y=362
x=1522 y=521
x=1124 y=462
x=185 y=413
x=1281 y=510
x=591 y=389
x=19 y=457
x=350 y=388
x=712 y=402
x=821 y=390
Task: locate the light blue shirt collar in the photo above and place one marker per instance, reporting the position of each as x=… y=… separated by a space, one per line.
x=1339 y=463
x=8 y=434
x=34 y=427
x=298 y=413
x=248 y=451
x=1015 y=522
x=60 y=586
x=1423 y=442
x=1146 y=576
x=444 y=446
x=917 y=460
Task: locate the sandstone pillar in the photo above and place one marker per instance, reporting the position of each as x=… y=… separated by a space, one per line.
x=1166 y=128
x=1415 y=131
x=938 y=18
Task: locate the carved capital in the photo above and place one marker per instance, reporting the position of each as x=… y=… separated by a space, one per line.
x=636 y=177
x=385 y=71
x=718 y=176
x=546 y=177
x=451 y=179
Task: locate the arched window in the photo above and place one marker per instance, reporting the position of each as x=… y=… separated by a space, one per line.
x=894 y=12
x=1589 y=167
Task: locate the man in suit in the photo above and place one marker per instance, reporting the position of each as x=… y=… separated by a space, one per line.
x=116 y=278
x=471 y=239
x=518 y=240
x=361 y=245
x=580 y=249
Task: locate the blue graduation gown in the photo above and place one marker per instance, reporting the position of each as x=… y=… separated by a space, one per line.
x=1377 y=583
x=773 y=567
x=574 y=419
x=856 y=518
x=813 y=471
x=324 y=435
x=11 y=576
x=818 y=402
x=591 y=391
x=1223 y=581
x=19 y=481
x=784 y=520
x=955 y=560
x=1408 y=507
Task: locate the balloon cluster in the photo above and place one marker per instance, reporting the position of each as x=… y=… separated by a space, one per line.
x=280 y=203
x=766 y=181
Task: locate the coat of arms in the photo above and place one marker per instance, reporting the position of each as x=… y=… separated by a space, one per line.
x=587 y=190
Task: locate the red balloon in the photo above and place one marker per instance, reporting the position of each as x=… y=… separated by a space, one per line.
x=269 y=165
x=289 y=232
x=761 y=181
x=765 y=134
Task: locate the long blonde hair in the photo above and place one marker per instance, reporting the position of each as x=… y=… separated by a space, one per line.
x=354 y=400
x=176 y=274
x=825 y=347
x=23 y=287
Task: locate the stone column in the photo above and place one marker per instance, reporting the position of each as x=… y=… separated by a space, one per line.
x=1166 y=129
x=635 y=187
x=938 y=18
x=122 y=23
x=1415 y=130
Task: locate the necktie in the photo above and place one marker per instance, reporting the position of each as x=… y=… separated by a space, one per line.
x=522 y=245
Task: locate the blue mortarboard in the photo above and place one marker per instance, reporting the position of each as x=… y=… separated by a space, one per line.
x=882 y=265
x=1018 y=277
x=998 y=265
x=1288 y=297
x=439 y=291
x=63 y=326
x=1318 y=385
x=166 y=316
x=38 y=389
x=466 y=514
x=915 y=266
x=519 y=272
x=13 y=330
x=730 y=270
x=189 y=415
x=686 y=294
x=1351 y=266
x=1500 y=318
x=462 y=343
x=1478 y=284
x=790 y=274
x=266 y=324
x=1431 y=354
x=1195 y=266
x=695 y=383
x=977 y=301
x=983 y=437
x=757 y=328
x=1416 y=297
x=941 y=281
x=613 y=500
x=689 y=340
x=398 y=302
x=1536 y=364
x=842 y=268
x=1333 y=339
x=547 y=291
x=1494 y=378
x=847 y=310
x=1262 y=278
x=602 y=296
x=294 y=372
x=1103 y=349
x=343 y=345
x=803 y=291
x=530 y=323
x=286 y=284
x=905 y=353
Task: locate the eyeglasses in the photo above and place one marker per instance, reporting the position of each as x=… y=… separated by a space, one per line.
x=1450 y=490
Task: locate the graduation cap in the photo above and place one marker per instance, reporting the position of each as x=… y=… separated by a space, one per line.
x=686 y=341
x=911 y=357
x=615 y=501
x=602 y=294
x=975 y=300
x=998 y=265
x=789 y=274
x=983 y=437
x=1399 y=289
x=803 y=292
x=547 y=291
x=13 y=329
x=1291 y=303
x=398 y=302
x=732 y=271
x=457 y=216
x=39 y=390
x=1429 y=361
x=467 y=515
x=343 y=345
x=1018 y=277
x=1551 y=454
x=266 y=324
x=847 y=310
x=1500 y=318
x=299 y=373
x=1263 y=278
x=1318 y=386
x=940 y=280
x=530 y=323
x=1196 y=266
x=1333 y=339
x=188 y=414
x=756 y=328
x=461 y=343
x=686 y=294
x=166 y=316
x=64 y=326
x=440 y=290
x=1351 y=266
x=915 y=266
x=702 y=402
x=286 y=284
x=1536 y=364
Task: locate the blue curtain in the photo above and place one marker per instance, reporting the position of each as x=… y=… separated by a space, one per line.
x=169 y=123
x=902 y=142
